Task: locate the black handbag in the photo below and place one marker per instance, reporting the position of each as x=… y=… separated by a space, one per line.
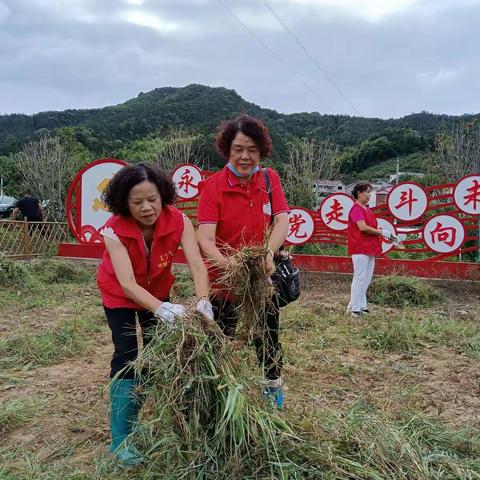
x=286 y=277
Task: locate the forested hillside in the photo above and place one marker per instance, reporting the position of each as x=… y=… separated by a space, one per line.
x=131 y=130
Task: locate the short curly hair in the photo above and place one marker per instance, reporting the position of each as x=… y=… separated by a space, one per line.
x=251 y=127
x=115 y=196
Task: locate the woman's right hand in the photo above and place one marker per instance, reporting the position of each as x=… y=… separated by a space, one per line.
x=205 y=308
x=168 y=312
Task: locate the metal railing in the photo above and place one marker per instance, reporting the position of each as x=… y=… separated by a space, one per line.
x=22 y=239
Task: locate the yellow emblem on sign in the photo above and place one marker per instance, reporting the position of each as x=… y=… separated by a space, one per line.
x=97 y=202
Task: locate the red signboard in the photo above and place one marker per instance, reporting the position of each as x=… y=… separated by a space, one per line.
x=440 y=221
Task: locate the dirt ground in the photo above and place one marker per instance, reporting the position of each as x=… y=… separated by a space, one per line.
x=329 y=369
x=438 y=381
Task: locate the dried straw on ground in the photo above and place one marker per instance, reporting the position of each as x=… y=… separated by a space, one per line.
x=203 y=419
x=204 y=416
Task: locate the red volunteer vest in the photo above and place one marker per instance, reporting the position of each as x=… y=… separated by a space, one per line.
x=363 y=243
x=154 y=273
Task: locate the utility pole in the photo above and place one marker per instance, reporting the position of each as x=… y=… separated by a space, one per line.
x=398 y=170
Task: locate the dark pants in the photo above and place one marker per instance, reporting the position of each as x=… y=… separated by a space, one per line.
x=268 y=348
x=122 y=324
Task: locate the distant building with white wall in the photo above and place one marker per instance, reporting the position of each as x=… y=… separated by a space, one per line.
x=379 y=192
x=401 y=175
x=323 y=188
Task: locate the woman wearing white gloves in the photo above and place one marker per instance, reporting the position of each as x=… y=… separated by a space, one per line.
x=364 y=244
x=135 y=278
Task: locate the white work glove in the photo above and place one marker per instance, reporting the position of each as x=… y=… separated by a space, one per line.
x=167 y=312
x=389 y=236
x=205 y=308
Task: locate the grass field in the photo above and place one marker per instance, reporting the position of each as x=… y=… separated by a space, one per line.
x=392 y=395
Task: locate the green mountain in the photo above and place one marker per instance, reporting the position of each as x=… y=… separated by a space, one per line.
x=200 y=109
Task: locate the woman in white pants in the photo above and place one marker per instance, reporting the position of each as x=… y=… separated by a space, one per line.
x=364 y=244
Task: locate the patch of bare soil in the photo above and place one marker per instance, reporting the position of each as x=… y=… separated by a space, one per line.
x=72 y=397
x=437 y=382
x=449 y=386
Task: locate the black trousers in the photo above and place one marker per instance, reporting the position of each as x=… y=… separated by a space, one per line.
x=268 y=348
x=122 y=325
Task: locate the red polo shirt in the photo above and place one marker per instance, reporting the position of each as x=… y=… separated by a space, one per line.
x=242 y=213
x=359 y=242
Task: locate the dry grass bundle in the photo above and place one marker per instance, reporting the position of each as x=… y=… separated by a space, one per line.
x=202 y=418
x=246 y=278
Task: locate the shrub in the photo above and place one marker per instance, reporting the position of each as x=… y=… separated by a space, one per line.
x=400 y=291
x=13 y=274
x=53 y=271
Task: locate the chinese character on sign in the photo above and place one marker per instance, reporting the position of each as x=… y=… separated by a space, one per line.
x=296 y=221
x=444 y=233
x=186 y=179
x=473 y=195
x=466 y=194
x=335 y=213
x=407 y=201
x=301 y=226
x=406 y=198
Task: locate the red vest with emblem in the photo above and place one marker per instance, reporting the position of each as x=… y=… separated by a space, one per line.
x=152 y=272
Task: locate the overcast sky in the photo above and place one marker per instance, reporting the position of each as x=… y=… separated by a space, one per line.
x=388 y=58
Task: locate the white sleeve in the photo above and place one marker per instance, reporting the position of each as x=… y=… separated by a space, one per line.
x=108 y=232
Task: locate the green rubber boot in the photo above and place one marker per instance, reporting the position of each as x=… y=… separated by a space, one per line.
x=123 y=417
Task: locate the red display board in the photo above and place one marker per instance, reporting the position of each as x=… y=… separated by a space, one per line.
x=440 y=222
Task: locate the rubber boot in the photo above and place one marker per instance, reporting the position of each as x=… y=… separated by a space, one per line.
x=273 y=390
x=123 y=417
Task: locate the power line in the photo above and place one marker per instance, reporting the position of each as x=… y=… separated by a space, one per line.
x=309 y=55
x=315 y=62
x=287 y=67
x=279 y=59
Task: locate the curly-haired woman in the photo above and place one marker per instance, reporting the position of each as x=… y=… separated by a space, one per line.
x=235 y=210
x=135 y=278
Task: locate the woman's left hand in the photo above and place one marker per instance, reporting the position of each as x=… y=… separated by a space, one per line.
x=270 y=263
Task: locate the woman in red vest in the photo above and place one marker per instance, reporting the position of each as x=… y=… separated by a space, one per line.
x=364 y=244
x=135 y=278
x=235 y=210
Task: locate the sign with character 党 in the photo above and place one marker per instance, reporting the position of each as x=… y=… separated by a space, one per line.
x=301 y=226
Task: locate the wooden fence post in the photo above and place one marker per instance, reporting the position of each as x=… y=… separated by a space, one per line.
x=26 y=238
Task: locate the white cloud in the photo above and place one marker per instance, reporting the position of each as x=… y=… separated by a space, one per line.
x=371 y=10
x=390 y=58
x=150 y=20
x=258 y=21
x=437 y=78
x=4 y=12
